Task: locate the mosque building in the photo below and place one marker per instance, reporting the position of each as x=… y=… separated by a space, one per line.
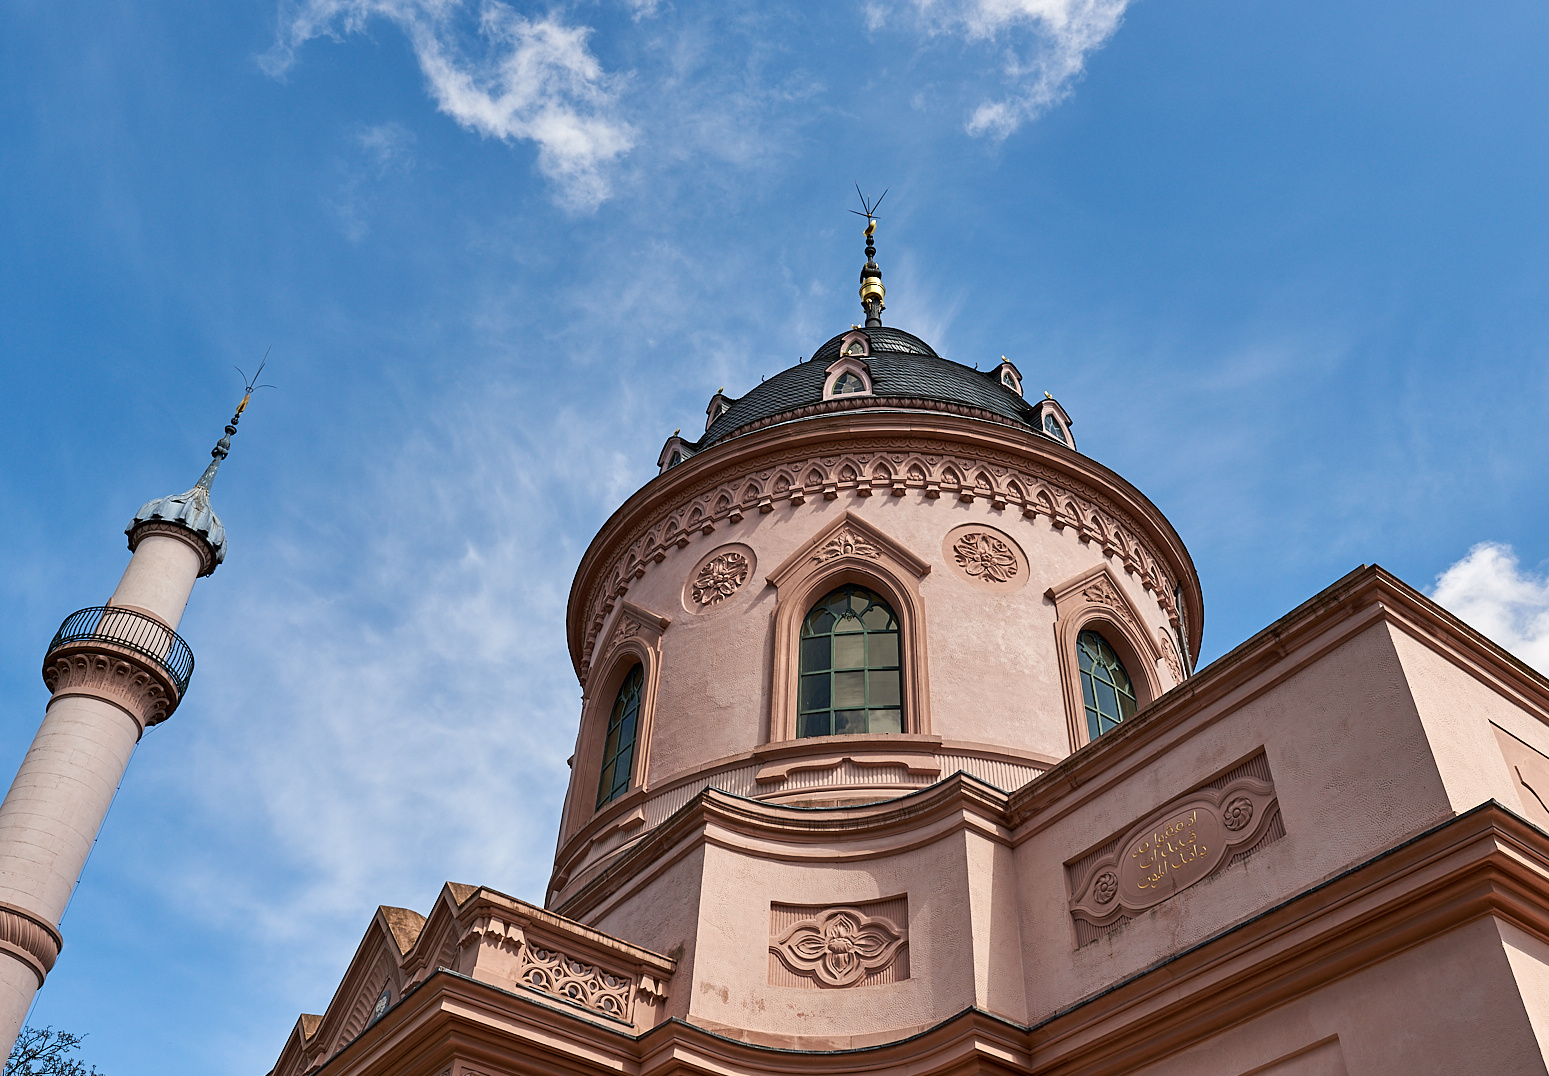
x=893 y=759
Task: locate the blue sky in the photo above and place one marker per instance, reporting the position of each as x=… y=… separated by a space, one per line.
x=1284 y=264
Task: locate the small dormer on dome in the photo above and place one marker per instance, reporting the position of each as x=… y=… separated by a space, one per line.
x=849 y=374
x=1050 y=419
x=189 y=512
x=674 y=452
x=1007 y=374
x=719 y=404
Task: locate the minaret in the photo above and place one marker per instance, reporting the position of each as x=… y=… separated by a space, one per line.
x=114 y=671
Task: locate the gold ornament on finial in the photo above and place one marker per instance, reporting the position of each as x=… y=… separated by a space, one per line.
x=872 y=291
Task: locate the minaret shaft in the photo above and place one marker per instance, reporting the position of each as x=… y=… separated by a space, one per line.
x=50 y=817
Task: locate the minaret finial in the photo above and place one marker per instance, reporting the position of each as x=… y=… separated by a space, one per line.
x=872 y=291
x=223 y=446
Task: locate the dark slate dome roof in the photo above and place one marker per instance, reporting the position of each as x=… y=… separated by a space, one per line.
x=905 y=372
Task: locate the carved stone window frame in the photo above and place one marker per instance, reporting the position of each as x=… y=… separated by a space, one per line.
x=848 y=550
x=1096 y=601
x=635 y=639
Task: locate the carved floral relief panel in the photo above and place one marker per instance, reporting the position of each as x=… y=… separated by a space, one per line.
x=1174 y=847
x=821 y=947
x=718 y=577
x=985 y=556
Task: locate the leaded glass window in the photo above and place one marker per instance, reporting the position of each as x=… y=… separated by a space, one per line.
x=1052 y=425
x=618 y=752
x=849 y=666
x=848 y=383
x=1105 y=686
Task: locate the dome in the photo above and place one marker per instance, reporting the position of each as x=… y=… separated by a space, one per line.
x=191 y=511
x=904 y=372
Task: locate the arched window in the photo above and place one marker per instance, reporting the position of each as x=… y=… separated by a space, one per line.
x=1052 y=426
x=618 y=752
x=849 y=383
x=1105 y=686
x=849 y=666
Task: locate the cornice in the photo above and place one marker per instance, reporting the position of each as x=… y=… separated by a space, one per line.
x=1487 y=862
x=728 y=480
x=829 y=834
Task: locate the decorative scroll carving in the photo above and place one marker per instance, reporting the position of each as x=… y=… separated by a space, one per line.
x=927 y=466
x=845 y=542
x=29 y=939
x=1101 y=592
x=838 y=947
x=1171 y=849
x=136 y=686
x=574 y=980
x=1170 y=655
x=720 y=577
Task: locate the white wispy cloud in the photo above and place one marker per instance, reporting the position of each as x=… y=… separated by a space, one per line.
x=1489 y=589
x=512 y=78
x=1044 y=45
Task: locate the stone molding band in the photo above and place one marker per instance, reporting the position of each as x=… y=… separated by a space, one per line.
x=29 y=939
x=100 y=670
x=207 y=558
x=999 y=475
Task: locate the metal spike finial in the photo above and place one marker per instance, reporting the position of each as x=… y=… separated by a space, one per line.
x=223 y=446
x=872 y=291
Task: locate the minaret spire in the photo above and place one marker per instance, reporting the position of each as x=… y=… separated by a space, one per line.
x=223 y=446
x=872 y=291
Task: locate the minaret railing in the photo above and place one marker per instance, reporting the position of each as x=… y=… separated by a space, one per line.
x=129 y=630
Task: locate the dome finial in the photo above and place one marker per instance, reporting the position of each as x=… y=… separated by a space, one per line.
x=223 y=446
x=872 y=291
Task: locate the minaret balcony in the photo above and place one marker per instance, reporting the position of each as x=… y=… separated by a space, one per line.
x=122 y=654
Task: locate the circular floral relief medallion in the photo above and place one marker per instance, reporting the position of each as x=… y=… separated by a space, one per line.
x=985 y=556
x=718 y=577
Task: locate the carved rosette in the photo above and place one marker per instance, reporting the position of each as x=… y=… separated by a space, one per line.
x=719 y=576
x=29 y=939
x=117 y=676
x=985 y=556
x=1173 y=848
x=839 y=947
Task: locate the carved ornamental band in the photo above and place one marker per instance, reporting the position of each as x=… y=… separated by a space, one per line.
x=121 y=679
x=1004 y=481
x=29 y=939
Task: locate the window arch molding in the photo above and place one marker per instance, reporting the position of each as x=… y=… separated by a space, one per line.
x=848 y=550
x=1094 y=601
x=634 y=640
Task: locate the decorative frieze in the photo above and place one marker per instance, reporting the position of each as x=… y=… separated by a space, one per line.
x=847 y=945
x=550 y=955
x=1174 y=847
x=1003 y=480
x=125 y=680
